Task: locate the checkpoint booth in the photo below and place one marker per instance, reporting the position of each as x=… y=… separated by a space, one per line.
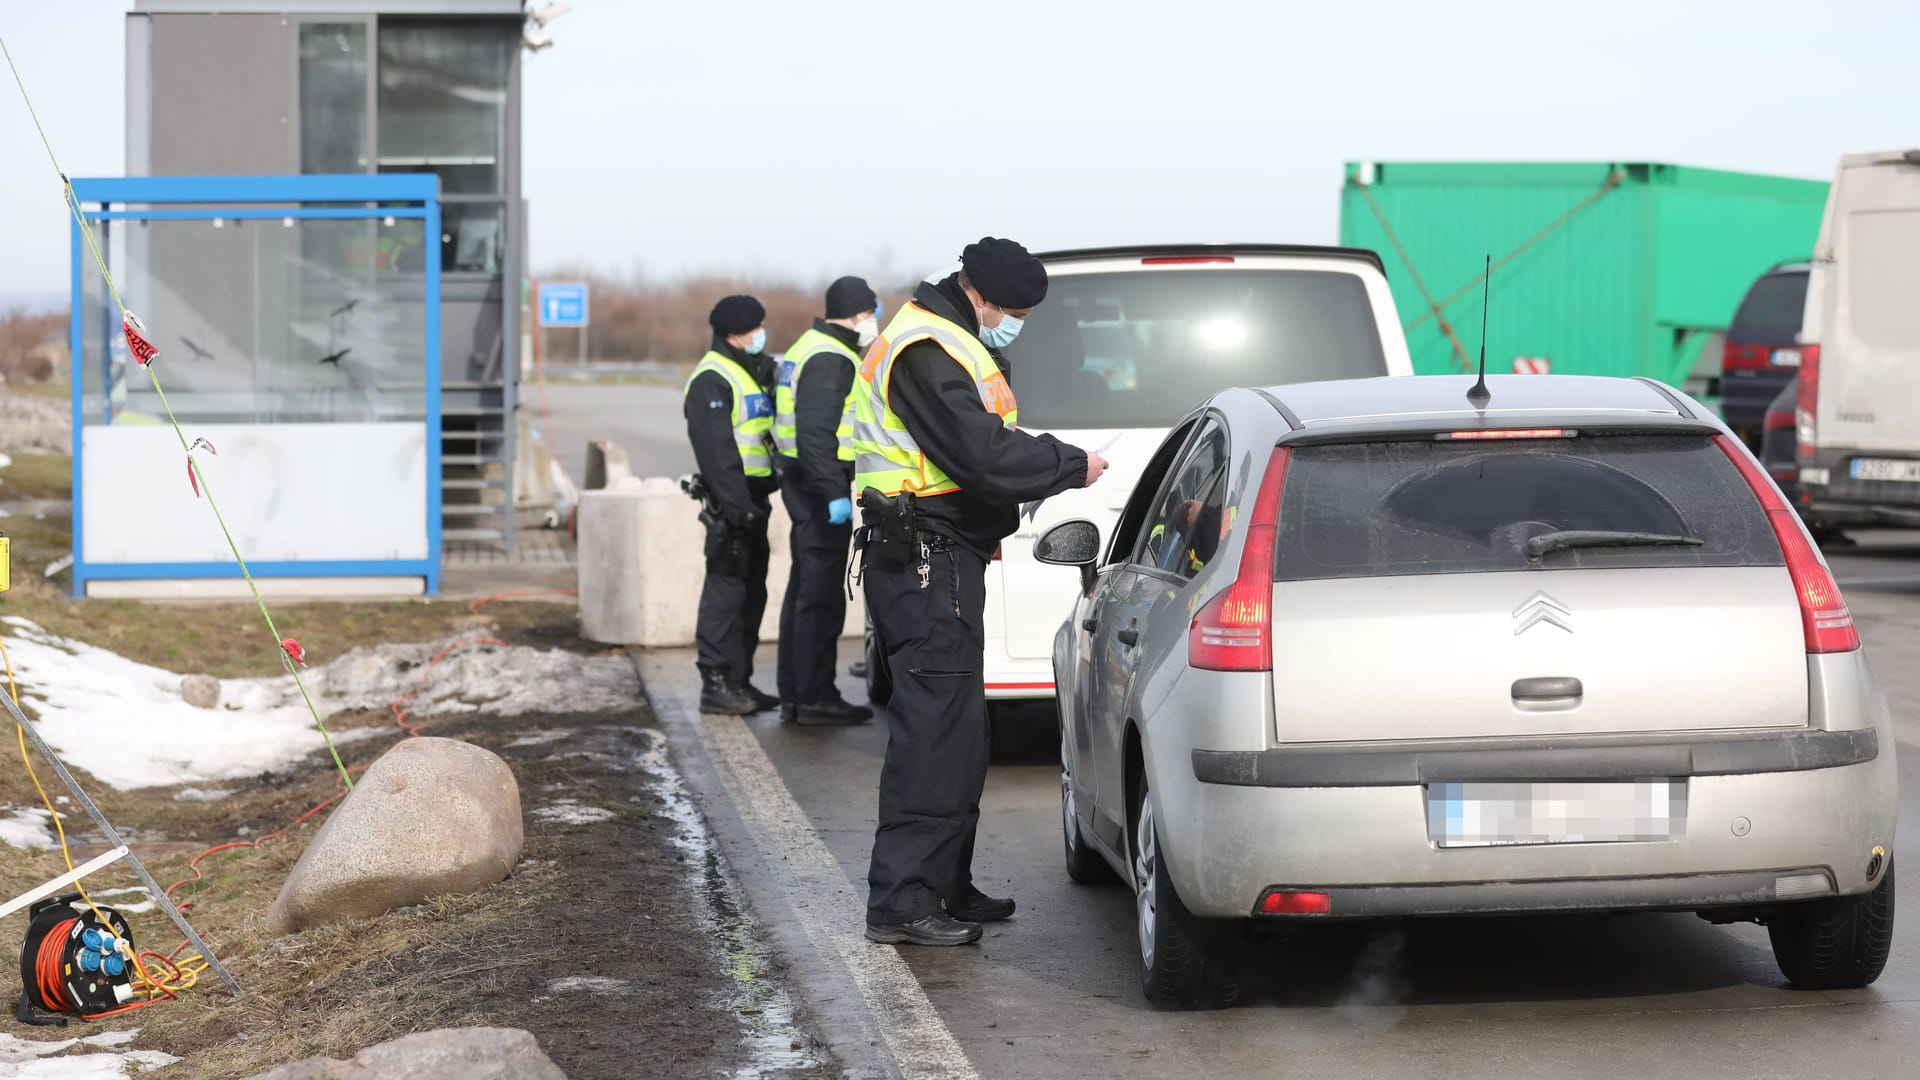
x=297 y=320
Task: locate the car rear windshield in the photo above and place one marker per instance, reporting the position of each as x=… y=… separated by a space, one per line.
x=1439 y=507
x=1142 y=348
x=1772 y=311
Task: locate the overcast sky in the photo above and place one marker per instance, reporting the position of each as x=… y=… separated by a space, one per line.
x=816 y=138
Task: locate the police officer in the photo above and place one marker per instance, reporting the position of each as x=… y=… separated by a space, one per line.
x=730 y=423
x=813 y=432
x=935 y=417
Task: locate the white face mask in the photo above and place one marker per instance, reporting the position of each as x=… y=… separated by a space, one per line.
x=867 y=331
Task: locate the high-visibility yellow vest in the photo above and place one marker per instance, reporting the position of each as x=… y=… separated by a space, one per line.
x=885 y=454
x=786 y=433
x=752 y=411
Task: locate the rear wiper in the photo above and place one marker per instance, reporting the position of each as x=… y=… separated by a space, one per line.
x=1538 y=546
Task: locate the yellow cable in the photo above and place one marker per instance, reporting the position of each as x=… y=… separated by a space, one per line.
x=155 y=986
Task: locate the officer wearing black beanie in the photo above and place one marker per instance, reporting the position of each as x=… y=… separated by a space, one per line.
x=936 y=417
x=812 y=429
x=729 y=417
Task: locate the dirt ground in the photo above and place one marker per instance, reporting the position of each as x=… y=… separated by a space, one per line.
x=619 y=941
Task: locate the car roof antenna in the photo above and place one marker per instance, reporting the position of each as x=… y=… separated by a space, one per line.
x=1479 y=395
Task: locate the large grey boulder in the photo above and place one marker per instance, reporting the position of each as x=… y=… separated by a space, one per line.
x=466 y=1053
x=430 y=817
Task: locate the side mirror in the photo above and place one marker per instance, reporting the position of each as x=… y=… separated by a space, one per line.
x=1071 y=543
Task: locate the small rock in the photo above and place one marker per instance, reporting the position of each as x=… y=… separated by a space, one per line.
x=201 y=691
x=430 y=817
x=477 y=1053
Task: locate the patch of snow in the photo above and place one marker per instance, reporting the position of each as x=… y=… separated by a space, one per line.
x=30 y=828
x=194 y=794
x=137 y=908
x=591 y=984
x=569 y=812
x=539 y=738
x=500 y=681
x=126 y=723
x=28 y=1059
x=5 y=461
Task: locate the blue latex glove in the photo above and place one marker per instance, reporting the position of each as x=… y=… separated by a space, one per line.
x=840 y=511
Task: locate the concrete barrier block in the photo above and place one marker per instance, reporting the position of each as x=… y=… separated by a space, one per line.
x=641 y=565
x=607 y=464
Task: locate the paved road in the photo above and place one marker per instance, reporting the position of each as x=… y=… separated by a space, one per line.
x=1054 y=991
x=642 y=418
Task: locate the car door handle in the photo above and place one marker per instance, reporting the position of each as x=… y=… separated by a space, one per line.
x=1129 y=637
x=1089 y=625
x=1550 y=689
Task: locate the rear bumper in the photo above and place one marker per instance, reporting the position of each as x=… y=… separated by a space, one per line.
x=1746 y=395
x=1842 y=500
x=1585 y=758
x=1685 y=892
x=1369 y=849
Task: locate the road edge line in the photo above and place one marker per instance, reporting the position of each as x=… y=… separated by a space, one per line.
x=872 y=1011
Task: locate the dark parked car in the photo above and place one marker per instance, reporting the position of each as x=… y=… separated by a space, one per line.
x=1762 y=352
x=1779 y=454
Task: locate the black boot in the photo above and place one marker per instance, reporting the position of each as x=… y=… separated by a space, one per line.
x=834 y=712
x=978 y=907
x=721 y=697
x=761 y=701
x=936 y=929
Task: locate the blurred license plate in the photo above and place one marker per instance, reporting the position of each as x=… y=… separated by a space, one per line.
x=1886 y=469
x=1786 y=358
x=1491 y=814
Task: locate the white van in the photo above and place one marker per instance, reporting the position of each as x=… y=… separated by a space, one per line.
x=1858 y=407
x=1128 y=341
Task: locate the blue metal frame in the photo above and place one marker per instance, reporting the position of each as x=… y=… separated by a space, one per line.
x=215 y=196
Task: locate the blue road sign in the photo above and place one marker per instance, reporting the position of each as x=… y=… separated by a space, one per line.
x=563 y=305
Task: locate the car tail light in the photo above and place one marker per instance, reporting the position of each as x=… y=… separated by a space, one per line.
x=1823 y=611
x=1745 y=357
x=1182 y=260
x=1277 y=902
x=1806 y=404
x=1234 y=632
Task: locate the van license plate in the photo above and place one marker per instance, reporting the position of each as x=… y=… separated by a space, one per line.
x=1907 y=472
x=1496 y=814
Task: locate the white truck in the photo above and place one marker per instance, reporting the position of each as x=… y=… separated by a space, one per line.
x=1857 y=414
x=1128 y=341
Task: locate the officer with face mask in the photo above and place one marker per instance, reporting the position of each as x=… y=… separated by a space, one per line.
x=935 y=417
x=813 y=432
x=730 y=424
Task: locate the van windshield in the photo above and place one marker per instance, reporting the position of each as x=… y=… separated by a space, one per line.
x=1142 y=348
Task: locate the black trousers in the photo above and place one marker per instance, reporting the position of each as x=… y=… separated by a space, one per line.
x=936 y=764
x=815 y=609
x=731 y=606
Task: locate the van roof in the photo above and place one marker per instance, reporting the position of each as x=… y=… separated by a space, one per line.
x=1174 y=251
x=1880 y=157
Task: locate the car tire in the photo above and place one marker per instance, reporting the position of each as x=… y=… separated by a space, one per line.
x=1835 y=944
x=1184 y=963
x=1084 y=865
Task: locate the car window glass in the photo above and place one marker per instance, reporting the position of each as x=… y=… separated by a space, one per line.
x=1772 y=308
x=1185 y=527
x=1139 y=347
x=1428 y=507
x=1131 y=526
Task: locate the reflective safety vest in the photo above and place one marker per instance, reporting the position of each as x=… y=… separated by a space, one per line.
x=885 y=454
x=752 y=411
x=786 y=433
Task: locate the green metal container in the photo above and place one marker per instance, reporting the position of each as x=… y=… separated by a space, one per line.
x=1599 y=269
